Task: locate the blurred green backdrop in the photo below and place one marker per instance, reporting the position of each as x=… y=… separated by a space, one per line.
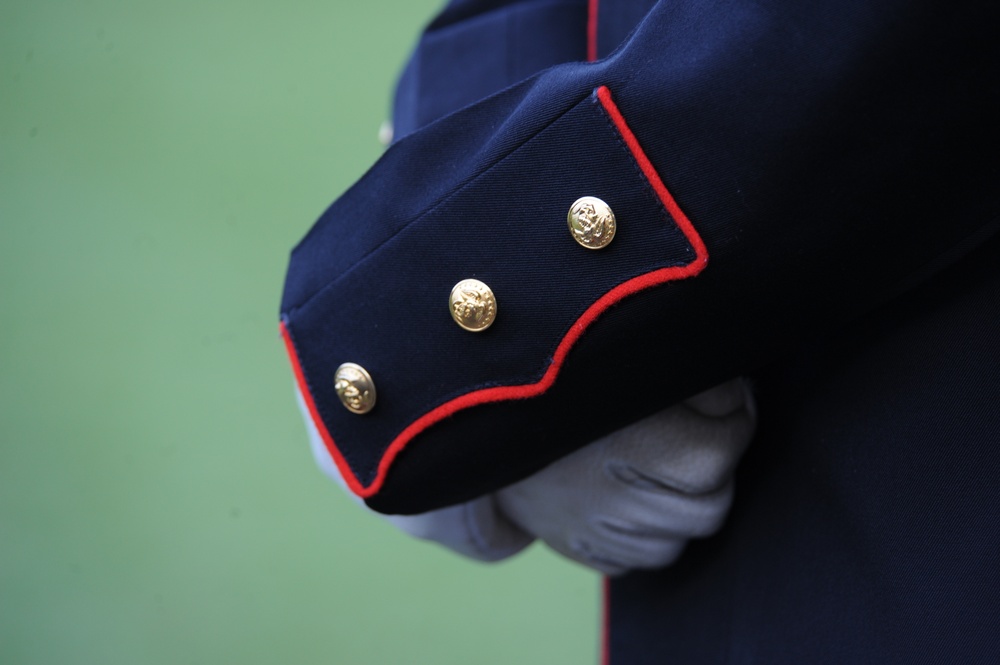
x=158 y=502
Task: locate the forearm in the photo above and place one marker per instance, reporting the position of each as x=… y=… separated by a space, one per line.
x=822 y=154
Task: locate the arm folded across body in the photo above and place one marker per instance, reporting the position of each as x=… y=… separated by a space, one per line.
x=773 y=169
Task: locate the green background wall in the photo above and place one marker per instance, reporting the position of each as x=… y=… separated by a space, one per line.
x=158 y=502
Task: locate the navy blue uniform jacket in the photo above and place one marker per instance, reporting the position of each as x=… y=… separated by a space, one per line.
x=798 y=186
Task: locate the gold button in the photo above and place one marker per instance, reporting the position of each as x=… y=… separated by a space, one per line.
x=355 y=388
x=591 y=222
x=473 y=305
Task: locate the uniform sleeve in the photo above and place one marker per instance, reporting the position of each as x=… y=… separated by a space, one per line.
x=774 y=169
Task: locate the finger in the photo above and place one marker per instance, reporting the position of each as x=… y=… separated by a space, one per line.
x=721 y=400
x=583 y=553
x=680 y=450
x=665 y=514
x=614 y=558
x=647 y=545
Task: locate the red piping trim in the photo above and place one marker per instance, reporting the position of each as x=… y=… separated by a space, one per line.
x=654 y=179
x=606 y=621
x=506 y=393
x=300 y=380
x=592 y=30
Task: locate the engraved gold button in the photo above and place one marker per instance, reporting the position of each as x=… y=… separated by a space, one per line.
x=473 y=305
x=591 y=222
x=355 y=388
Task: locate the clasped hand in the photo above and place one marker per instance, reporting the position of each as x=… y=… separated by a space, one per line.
x=630 y=500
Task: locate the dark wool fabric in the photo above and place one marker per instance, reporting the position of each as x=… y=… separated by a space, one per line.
x=866 y=526
x=825 y=155
x=838 y=158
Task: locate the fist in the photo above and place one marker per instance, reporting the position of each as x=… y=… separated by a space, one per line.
x=634 y=498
